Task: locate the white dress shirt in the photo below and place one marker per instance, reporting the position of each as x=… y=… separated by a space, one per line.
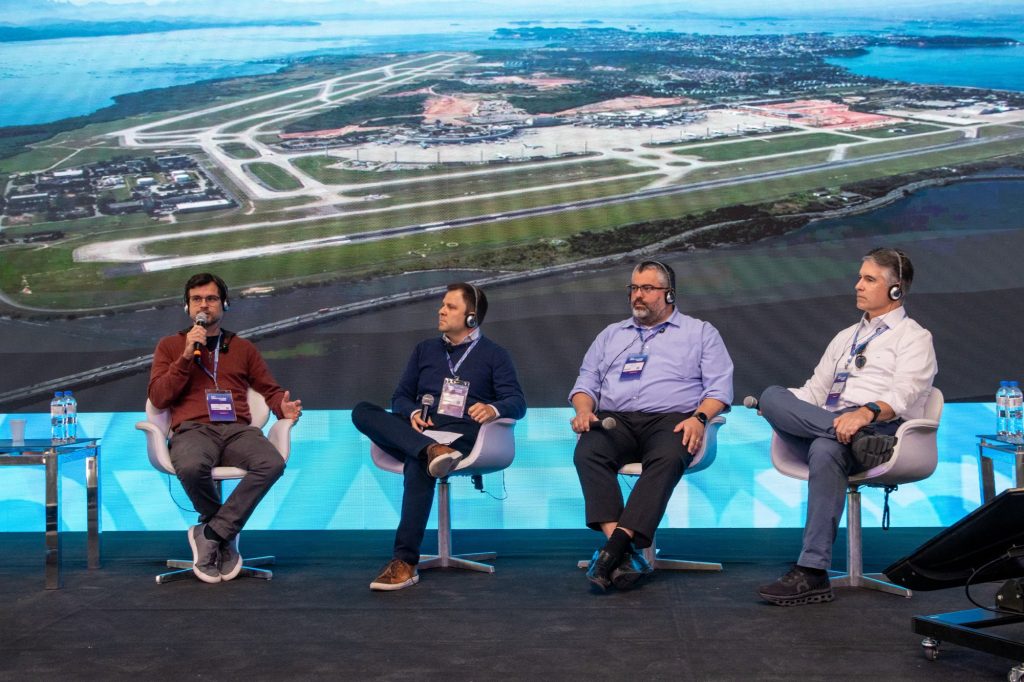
x=899 y=369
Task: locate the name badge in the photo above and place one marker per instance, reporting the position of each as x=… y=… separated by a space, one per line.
x=220 y=406
x=634 y=366
x=838 y=384
x=454 y=395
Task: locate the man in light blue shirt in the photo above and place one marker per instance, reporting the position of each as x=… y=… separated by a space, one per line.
x=661 y=376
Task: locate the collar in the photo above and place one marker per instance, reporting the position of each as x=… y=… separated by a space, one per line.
x=674 y=320
x=470 y=338
x=891 y=319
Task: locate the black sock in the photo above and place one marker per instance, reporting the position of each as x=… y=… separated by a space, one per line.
x=812 y=571
x=619 y=543
x=210 y=535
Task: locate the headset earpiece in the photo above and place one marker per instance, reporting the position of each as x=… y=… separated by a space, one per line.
x=670 y=296
x=472 y=321
x=896 y=290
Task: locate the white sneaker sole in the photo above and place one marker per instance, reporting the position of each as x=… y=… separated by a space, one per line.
x=443 y=465
x=388 y=587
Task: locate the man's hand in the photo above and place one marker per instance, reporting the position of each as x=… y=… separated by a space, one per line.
x=419 y=424
x=850 y=423
x=482 y=413
x=693 y=434
x=291 y=409
x=195 y=335
x=582 y=421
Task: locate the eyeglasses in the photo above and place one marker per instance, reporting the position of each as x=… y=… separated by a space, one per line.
x=646 y=288
x=209 y=300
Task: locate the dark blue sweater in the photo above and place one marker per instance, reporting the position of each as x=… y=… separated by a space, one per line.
x=488 y=369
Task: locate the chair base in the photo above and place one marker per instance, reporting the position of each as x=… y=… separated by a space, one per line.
x=651 y=554
x=249 y=570
x=868 y=581
x=464 y=561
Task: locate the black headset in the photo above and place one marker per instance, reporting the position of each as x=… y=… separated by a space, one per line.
x=670 y=294
x=896 y=290
x=472 y=321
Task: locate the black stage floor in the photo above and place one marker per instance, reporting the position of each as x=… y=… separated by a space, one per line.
x=534 y=619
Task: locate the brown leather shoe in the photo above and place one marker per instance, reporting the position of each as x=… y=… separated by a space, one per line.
x=396 y=575
x=441 y=459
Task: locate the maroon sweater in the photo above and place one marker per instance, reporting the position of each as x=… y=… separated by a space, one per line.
x=178 y=383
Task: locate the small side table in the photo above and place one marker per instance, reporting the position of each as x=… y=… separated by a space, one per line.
x=42 y=452
x=989 y=447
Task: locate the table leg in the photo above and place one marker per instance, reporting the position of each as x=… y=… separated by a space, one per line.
x=988 y=478
x=54 y=579
x=92 y=499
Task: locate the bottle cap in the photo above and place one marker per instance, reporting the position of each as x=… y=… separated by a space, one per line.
x=58 y=394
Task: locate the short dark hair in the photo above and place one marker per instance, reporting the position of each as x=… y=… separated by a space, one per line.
x=474 y=297
x=204 y=278
x=896 y=262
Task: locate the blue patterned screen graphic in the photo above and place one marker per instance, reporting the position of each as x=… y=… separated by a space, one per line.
x=331 y=483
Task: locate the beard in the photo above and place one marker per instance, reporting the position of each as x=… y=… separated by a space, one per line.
x=642 y=312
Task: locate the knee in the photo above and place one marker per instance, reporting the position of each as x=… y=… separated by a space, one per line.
x=770 y=396
x=826 y=455
x=192 y=470
x=361 y=412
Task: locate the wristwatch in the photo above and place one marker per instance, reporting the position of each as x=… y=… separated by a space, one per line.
x=875 y=410
x=701 y=417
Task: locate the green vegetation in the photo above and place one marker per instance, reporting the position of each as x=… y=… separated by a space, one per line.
x=742 y=168
x=273 y=177
x=236 y=112
x=731 y=151
x=899 y=130
x=996 y=130
x=239 y=150
x=563 y=99
x=504 y=181
x=362 y=111
x=902 y=144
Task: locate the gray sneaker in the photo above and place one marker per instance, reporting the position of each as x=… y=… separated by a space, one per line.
x=205 y=555
x=230 y=559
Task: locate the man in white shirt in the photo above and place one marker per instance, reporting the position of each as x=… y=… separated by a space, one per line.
x=873 y=376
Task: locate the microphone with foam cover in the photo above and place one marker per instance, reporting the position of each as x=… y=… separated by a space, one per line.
x=426 y=402
x=606 y=424
x=197 y=353
x=751 y=402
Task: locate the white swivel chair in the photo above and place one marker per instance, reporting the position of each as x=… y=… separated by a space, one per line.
x=157 y=429
x=704 y=458
x=493 y=451
x=913 y=459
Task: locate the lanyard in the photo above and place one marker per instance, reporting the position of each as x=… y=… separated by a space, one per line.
x=858 y=350
x=454 y=369
x=654 y=332
x=216 y=363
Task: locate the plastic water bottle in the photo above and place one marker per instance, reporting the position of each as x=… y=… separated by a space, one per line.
x=1002 y=410
x=1015 y=408
x=57 y=417
x=70 y=417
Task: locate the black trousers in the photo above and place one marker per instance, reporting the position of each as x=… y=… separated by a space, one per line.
x=639 y=437
x=394 y=434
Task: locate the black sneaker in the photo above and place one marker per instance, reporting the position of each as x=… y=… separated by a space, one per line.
x=799 y=586
x=870 y=449
x=205 y=555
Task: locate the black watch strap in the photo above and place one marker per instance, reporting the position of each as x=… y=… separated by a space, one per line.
x=701 y=417
x=875 y=410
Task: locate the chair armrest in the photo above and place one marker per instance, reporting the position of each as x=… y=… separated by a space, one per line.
x=280 y=436
x=156 y=446
x=494 y=449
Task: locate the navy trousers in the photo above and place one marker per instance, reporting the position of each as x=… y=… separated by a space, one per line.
x=394 y=434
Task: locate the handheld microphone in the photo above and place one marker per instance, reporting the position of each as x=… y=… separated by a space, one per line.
x=606 y=424
x=752 y=403
x=426 y=402
x=197 y=353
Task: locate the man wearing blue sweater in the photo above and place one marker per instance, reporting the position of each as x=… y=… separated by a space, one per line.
x=471 y=381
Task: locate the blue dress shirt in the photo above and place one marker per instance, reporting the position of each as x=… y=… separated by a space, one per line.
x=686 y=362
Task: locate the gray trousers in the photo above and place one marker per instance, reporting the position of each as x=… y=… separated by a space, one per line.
x=808 y=429
x=197 y=447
